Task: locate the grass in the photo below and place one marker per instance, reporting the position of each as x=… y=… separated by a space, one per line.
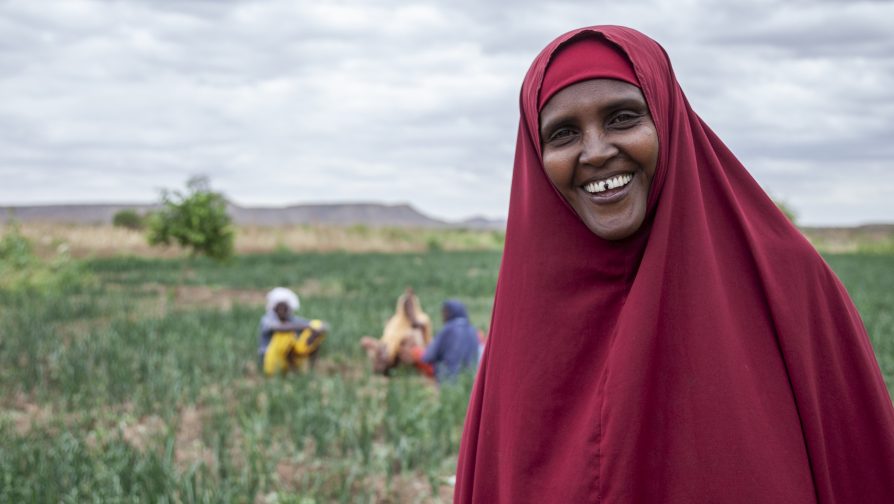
x=141 y=385
x=869 y=278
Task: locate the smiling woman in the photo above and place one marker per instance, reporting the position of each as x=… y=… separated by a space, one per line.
x=698 y=350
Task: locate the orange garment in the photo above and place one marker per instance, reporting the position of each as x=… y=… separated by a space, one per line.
x=423 y=367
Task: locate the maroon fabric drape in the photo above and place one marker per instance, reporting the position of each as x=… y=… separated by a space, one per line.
x=713 y=356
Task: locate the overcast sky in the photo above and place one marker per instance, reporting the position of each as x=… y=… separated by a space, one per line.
x=293 y=101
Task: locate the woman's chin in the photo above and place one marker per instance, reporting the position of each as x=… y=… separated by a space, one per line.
x=614 y=226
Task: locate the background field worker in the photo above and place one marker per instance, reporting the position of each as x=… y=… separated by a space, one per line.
x=285 y=341
x=455 y=347
x=409 y=324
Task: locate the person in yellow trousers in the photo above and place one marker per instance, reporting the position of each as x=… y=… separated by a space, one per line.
x=285 y=341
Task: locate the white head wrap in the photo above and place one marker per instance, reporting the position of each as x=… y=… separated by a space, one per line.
x=282 y=295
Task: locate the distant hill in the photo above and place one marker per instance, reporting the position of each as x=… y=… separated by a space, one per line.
x=333 y=214
x=369 y=214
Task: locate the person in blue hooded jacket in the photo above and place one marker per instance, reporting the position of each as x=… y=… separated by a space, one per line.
x=454 y=348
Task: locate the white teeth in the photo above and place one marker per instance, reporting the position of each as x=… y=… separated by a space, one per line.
x=611 y=183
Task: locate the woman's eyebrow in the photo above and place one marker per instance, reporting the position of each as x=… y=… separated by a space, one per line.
x=552 y=123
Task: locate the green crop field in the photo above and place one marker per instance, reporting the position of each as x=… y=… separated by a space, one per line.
x=137 y=381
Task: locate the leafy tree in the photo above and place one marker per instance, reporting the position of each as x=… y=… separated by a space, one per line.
x=196 y=219
x=128 y=218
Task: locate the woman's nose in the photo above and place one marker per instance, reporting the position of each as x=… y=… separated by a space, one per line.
x=596 y=149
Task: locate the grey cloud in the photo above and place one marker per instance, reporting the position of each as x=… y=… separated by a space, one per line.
x=824 y=29
x=281 y=101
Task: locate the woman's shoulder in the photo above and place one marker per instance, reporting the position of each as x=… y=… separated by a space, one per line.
x=795 y=264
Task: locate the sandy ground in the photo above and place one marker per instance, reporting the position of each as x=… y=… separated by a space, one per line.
x=107 y=240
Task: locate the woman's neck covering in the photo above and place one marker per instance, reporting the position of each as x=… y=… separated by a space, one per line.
x=399 y=326
x=712 y=356
x=282 y=295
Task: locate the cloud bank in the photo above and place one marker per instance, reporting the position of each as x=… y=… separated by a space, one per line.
x=284 y=102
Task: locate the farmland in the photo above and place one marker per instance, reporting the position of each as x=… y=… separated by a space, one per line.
x=137 y=381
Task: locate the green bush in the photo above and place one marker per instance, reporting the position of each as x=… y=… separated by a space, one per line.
x=196 y=220
x=433 y=244
x=22 y=270
x=15 y=250
x=129 y=219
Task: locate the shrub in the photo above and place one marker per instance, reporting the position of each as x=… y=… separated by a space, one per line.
x=196 y=220
x=22 y=270
x=15 y=250
x=433 y=244
x=129 y=219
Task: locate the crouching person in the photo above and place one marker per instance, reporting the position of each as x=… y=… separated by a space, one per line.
x=287 y=342
x=453 y=350
x=408 y=326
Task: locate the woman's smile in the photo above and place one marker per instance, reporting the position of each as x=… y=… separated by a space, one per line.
x=600 y=151
x=608 y=189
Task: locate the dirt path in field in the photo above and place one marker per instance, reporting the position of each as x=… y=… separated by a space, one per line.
x=163 y=298
x=108 y=241
x=188 y=297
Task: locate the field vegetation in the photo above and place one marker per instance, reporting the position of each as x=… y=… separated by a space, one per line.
x=132 y=378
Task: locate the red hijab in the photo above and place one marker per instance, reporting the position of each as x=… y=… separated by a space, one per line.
x=713 y=356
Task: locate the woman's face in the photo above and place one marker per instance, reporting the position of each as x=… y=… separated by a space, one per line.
x=282 y=311
x=600 y=150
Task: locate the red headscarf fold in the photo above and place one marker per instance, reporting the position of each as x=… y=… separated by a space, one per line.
x=585 y=59
x=711 y=357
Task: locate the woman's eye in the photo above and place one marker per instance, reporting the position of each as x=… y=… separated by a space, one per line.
x=560 y=135
x=625 y=119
